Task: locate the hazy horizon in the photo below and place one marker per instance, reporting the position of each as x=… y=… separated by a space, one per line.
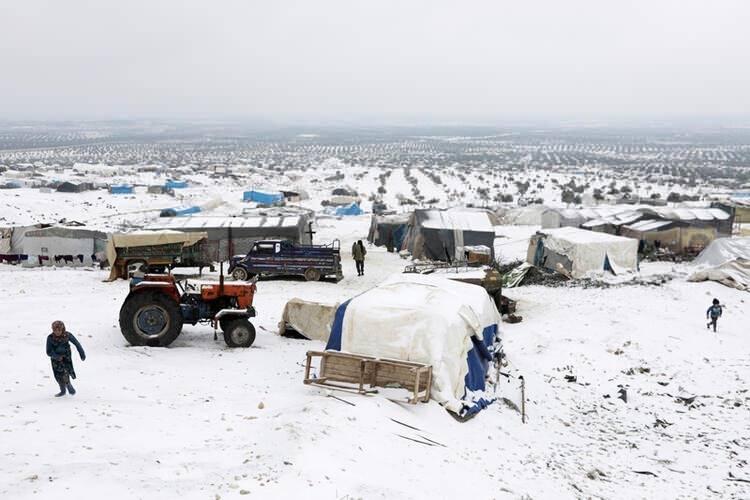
x=483 y=63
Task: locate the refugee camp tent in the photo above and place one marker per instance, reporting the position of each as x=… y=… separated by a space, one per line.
x=352 y=209
x=441 y=234
x=80 y=243
x=312 y=320
x=578 y=251
x=677 y=236
x=235 y=235
x=70 y=187
x=388 y=231
x=450 y=325
x=725 y=260
x=172 y=184
x=179 y=212
x=121 y=189
x=343 y=200
x=263 y=197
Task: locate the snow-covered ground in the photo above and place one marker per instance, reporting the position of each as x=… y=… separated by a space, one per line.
x=200 y=420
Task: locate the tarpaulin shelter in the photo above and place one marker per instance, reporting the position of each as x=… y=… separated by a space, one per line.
x=121 y=189
x=388 y=230
x=263 y=197
x=312 y=320
x=579 y=251
x=172 y=184
x=68 y=241
x=726 y=260
x=441 y=234
x=352 y=209
x=231 y=236
x=179 y=212
x=452 y=326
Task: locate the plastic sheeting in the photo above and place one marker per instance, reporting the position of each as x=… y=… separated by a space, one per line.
x=352 y=209
x=723 y=250
x=263 y=197
x=734 y=273
x=581 y=251
x=449 y=325
x=312 y=320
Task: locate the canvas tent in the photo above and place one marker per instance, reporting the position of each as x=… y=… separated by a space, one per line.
x=60 y=240
x=263 y=197
x=450 y=325
x=442 y=234
x=312 y=320
x=579 y=251
x=352 y=209
x=388 y=231
x=726 y=260
x=678 y=237
x=235 y=235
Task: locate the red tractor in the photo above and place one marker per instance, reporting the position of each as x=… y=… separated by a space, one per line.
x=158 y=305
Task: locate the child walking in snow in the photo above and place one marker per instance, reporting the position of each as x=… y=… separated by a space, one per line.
x=714 y=312
x=58 y=349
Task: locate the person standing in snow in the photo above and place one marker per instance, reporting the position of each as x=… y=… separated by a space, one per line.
x=714 y=312
x=58 y=349
x=358 y=253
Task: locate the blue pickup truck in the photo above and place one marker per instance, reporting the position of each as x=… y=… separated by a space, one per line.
x=284 y=258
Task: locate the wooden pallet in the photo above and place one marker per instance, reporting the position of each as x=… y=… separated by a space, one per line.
x=339 y=368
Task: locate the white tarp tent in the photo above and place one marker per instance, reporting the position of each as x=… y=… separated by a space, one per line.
x=580 y=251
x=312 y=320
x=726 y=260
x=429 y=320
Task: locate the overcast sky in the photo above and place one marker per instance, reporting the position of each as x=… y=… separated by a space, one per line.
x=318 y=58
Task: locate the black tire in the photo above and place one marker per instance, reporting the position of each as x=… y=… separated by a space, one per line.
x=150 y=318
x=239 y=333
x=312 y=274
x=224 y=323
x=240 y=274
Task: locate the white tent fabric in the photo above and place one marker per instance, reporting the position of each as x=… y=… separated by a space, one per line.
x=311 y=319
x=734 y=273
x=587 y=249
x=424 y=319
x=723 y=250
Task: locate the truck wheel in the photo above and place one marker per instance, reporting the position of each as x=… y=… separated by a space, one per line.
x=239 y=274
x=150 y=318
x=312 y=274
x=239 y=333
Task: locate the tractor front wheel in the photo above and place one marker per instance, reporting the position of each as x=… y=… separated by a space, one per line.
x=150 y=318
x=239 y=333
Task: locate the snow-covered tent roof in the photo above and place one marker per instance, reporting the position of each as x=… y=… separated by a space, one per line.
x=723 y=250
x=447 y=324
x=648 y=225
x=585 y=250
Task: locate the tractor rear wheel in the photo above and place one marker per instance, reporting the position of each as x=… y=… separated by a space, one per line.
x=150 y=318
x=239 y=274
x=312 y=274
x=239 y=333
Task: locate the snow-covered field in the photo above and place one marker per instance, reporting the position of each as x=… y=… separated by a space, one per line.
x=199 y=420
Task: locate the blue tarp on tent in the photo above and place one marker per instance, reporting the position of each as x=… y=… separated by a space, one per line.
x=263 y=197
x=179 y=212
x=175 y=184
x=478 y=358
x=352 y=209
x=123 y=189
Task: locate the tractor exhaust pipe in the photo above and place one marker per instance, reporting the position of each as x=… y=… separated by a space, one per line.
x=221 y=278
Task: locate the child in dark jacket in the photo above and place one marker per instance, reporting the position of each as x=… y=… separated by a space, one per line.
x=714 y=312
x=58 y=349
